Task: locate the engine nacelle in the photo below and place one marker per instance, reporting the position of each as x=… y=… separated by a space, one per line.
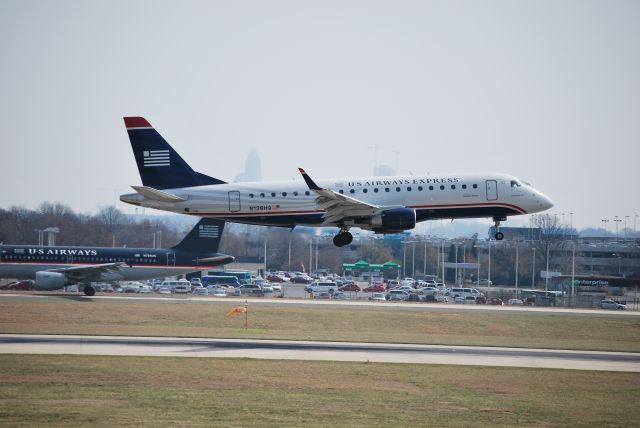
x=50 y=280
x=394 y=220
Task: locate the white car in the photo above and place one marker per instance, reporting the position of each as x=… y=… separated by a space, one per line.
x=397 y=295
x=516 y=302
x=340 y=295
x=200 y=291
x=612 y=304
x=377 y=297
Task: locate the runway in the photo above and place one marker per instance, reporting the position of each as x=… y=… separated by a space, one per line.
x=311 y=350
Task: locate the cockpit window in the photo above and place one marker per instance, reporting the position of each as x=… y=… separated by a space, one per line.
x=515 y=183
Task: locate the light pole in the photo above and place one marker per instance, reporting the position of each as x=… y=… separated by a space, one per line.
x=404 y=259
x=489 y=269
x=625 y=228
x=424 y=269
x=517 y=249
x=617 y=220
x=573 y=269
x=443 y=280
x=289 y=255
x=605 y=221
x=533 y=270
x=546 y=277
x=456 y=245
x=413 y=260
x=571 y=214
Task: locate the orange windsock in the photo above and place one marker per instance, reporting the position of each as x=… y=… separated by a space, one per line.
x=236 y=310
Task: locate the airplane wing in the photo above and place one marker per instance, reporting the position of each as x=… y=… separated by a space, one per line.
x=89 y=273
x=337 y=206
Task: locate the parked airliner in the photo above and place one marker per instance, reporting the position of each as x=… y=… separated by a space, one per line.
x=56 y=267
x=380 y=204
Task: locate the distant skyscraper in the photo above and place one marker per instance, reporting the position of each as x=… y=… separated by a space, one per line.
x=384 y=170
x=252 y=168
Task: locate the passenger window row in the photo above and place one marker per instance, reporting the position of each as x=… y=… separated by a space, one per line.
x=366 y=190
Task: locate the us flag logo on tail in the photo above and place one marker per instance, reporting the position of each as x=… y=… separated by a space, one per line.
x=156 y=158
x=208 y=231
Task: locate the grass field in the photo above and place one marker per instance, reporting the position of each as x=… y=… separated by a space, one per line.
x=131 y=317
x=122 y=391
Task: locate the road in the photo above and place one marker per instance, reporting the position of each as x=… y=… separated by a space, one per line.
x=308 y=350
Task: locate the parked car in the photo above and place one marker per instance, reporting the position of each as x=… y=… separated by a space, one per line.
x=407 y=288
x=26 y=284
x=464 y=292
x=484 y=282
x=397 y=295
x=496 y=301
x=274 y=278
x=182 y=289
x=350 y=286
x=481 y=300
x=164 y=290
x=200 y=291
x=458 y=299
x=339 y=295
x=428 y=290
x=612 y=304
x=251 y=289
x=301 y=280
x=408 y=281
x=376 y=288
x=515 y=302
x=144 y=288
x=413 y=297
x=322 y=287
x=196 y=281
x=377 y=297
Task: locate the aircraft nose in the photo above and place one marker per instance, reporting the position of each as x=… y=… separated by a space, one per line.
x=545 y=202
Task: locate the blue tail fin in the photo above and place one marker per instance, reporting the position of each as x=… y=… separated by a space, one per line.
x=159 y=165
x=203 y=239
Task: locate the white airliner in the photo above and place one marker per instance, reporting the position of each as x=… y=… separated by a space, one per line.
x=380 y=204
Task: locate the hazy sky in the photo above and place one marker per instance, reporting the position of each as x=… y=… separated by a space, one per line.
x=548 y=91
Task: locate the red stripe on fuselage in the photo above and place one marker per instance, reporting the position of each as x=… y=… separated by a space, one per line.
x=306 y=212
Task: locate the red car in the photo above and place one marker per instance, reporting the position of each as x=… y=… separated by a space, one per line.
x=274 y=278
x=26 y=284
x=375 y=288
x=352 y=286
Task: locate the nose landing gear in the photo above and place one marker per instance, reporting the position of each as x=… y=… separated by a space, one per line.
x=344 y=237
x=498 y=235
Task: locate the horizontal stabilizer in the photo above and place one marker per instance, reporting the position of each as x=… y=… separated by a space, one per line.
x=217 y=260
x=157 y=195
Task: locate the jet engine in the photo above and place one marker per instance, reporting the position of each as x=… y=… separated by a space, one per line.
x=394 y=220
x=50 y=280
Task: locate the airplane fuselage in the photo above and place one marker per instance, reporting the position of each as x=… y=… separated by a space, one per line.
x=23 y=261
x=290 y=203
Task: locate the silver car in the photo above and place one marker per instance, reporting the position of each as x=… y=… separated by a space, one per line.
x=612 y=304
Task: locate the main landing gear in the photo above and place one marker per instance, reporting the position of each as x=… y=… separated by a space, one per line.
x=89 y=290
x=344 y=237
x=498 y=235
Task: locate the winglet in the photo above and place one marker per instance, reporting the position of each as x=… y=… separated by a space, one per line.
x=312 y=185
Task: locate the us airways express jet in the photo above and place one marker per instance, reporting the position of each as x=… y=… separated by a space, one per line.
x=56 y=267
x=380 y=204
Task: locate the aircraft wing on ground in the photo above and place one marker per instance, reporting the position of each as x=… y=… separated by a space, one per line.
x=89 y=273
x=338 y=206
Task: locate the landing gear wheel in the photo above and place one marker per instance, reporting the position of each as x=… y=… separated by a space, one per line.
x=342 y=239
x=498 y=235
x=89 y=290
